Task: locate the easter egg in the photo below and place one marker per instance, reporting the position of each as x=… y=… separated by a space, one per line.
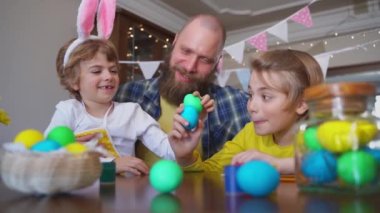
x=366 y=131
x=190 y=115
x=76 y=148
x=311 y=139
x=165 y=176
x=319 y=166
x=62 y=134
x=357 y=168
x=257 y=178
x=46 y=146
x=374 y=152
x=194 y=101
x=28 y=137
x=341 y=136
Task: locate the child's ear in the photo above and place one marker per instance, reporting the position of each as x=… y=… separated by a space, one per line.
x=302 y=107
x=75 y=86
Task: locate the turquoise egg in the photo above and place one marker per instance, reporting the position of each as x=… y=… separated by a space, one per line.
x=257 y=178
x=319 y=166
x=46 y=146
x=191 y=115
x=165 y=176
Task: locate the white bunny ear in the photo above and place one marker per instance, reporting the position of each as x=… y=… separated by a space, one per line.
x=105 y=18
x=86 y=17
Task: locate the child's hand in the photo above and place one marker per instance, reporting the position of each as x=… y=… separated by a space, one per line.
x=86 y=138
x=184 y=142
x=131 y=164
x=283 y=165
x=252 y=154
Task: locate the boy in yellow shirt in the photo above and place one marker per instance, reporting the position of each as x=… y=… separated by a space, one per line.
x=275 y=104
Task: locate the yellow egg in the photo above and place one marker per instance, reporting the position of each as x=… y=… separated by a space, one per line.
x=29 y=137
x=76 y=148
x=366 y=131
x=341 y=136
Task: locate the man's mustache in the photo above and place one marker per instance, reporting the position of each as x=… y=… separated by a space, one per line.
x=183 y=72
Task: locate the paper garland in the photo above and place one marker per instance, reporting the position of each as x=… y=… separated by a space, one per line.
x=280 y=30
x=258 y=41
x=303 y=17
x=148 y=68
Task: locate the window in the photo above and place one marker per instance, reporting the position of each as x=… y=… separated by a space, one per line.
x=138 y=40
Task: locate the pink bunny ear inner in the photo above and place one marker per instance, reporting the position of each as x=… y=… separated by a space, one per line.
x=105 y=18
x=86 y=17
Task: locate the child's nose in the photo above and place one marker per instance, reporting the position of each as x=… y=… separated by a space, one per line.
x=107 y=74
x=252 y=106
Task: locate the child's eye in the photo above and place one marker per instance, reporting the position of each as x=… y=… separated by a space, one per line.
x=114 y=71
x=96 y=71
x=267 y=97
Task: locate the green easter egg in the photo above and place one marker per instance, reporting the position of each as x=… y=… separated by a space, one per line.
x=194 y=101
x=311 y=139
x=357 y=168
x=165 y=176
x=62 y=134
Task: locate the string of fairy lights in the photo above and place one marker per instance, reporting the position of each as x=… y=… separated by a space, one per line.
x=139 y=30
x=363 y=40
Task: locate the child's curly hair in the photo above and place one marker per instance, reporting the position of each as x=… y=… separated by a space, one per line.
x=69 y=74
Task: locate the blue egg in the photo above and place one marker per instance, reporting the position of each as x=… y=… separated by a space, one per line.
x=319 y=166
x=191 y=115
x=46 y=146
x=258 y=178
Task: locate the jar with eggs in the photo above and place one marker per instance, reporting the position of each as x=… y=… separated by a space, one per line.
x=338 y=145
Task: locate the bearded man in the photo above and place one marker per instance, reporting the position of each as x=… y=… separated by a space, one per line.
x=191 y=66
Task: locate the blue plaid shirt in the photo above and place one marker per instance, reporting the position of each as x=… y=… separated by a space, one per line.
x=230 y=114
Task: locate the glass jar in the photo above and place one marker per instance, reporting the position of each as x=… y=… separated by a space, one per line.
x=338 y=146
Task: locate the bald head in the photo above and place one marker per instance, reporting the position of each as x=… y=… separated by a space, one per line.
x=208 y=22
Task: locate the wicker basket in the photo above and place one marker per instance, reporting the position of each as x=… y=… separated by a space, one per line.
x=48 y=173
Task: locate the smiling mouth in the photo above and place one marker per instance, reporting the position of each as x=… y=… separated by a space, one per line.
x=258 y=122
x=106 y=87
x=184 y=77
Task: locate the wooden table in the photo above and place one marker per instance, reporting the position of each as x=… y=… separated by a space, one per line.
x=199 y=192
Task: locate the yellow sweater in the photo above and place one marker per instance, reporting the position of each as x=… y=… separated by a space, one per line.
x=245 y=140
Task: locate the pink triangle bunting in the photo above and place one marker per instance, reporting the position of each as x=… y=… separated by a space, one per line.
x=259 y=41
x=303 y=17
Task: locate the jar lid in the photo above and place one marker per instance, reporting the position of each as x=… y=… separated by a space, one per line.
x=322 y=91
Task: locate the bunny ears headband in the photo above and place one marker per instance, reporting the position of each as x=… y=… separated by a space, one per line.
x=105 y=10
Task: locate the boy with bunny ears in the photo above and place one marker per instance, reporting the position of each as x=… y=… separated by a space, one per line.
x=88 y=68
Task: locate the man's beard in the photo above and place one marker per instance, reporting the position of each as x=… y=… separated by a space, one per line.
x=173 y=91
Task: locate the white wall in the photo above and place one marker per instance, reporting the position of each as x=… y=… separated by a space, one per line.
x=31 y=32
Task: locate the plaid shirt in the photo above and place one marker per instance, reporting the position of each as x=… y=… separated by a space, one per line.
x=230 y=114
